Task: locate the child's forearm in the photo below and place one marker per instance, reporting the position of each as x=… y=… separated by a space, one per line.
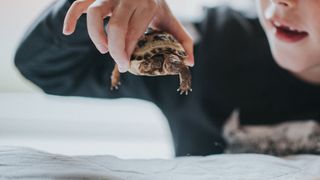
x=59 y=64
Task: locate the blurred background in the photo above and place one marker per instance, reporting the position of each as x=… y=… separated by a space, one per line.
x=73 y=125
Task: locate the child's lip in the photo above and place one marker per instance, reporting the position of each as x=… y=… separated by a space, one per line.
x=288 y=33
x=281 y=24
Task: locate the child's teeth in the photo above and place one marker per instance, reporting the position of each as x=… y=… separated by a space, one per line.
x=291 y=29
x=277 y=24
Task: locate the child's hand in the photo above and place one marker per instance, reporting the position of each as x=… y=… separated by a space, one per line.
x=128 y=21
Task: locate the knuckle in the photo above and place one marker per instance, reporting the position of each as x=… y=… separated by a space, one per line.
x=77 y=3
x=78 y=7
x=93 y=8
x=126 y=5
x=151 y=3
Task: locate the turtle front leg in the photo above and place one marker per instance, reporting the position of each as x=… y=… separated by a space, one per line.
x=175 y=66
x=185 y=80
x=115 y=78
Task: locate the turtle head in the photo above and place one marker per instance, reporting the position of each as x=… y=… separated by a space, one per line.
x=161 y=64
x=155 y=63
x=172 y=64
x=149 y=66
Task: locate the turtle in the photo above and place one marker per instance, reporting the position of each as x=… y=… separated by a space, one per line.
x=157 y=53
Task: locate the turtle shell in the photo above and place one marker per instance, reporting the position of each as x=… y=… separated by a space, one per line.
x=151 y=46
x=157 y=53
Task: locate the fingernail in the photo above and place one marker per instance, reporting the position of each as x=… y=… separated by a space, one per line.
x=65 y=31
x=122 y=68
x=190 y=64
x=102 y=49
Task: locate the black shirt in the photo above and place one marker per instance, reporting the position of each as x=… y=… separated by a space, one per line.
x=234 y=70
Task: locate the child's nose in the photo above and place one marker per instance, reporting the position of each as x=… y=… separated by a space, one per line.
x=285 y=3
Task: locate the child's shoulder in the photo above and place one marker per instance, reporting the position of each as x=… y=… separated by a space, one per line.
x=226 y=21
x=234 y=46
x=228 y=34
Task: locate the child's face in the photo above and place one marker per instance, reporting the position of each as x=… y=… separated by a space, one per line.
x=293 y=31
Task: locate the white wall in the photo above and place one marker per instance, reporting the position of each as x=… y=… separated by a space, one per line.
x=15 y=17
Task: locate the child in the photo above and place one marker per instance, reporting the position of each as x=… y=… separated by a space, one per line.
x=269 y=73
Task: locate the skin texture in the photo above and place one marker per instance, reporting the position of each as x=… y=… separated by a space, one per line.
x=128 y=21
x=301 y=58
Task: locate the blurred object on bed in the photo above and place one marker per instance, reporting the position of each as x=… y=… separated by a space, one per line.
x=283 y=139
x=73 y=125
x=23 y=163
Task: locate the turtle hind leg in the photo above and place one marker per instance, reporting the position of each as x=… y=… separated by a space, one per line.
x=185 y=80
x=115 y=78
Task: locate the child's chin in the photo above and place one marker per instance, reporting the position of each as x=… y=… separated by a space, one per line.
x=291 y=64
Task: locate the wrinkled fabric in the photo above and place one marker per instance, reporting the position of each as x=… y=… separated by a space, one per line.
x=23 y=163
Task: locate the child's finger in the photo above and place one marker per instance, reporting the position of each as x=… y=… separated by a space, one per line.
x=75 y=11
x=117 y=30
x=138 y=24
x=174 y=27
x=95 y=24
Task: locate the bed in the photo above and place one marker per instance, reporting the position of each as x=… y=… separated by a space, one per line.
x=26 y=163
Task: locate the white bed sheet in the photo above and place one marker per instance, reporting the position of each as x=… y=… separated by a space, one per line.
x=24 y=163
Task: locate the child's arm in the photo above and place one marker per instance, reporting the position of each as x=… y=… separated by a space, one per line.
x=70 y=65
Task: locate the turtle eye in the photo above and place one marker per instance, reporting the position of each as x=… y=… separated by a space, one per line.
x=145 y=63
x=174 y=59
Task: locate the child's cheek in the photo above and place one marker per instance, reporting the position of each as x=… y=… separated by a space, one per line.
x=262 y=7
x=314 y=23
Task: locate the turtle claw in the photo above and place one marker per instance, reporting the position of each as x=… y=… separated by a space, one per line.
x=115 y=85
x=184 y=90
x=114 y=88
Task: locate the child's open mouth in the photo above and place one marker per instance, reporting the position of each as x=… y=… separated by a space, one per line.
x=288 y=34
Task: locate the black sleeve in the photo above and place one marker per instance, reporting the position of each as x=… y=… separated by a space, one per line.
x=70 y=65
